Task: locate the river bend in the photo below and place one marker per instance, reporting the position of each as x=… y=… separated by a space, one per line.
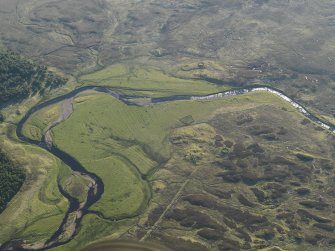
x=96 y=190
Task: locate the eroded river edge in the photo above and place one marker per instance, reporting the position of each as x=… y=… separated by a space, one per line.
x=96 y=188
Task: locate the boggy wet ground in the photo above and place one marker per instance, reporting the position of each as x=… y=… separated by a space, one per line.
x=245 y=180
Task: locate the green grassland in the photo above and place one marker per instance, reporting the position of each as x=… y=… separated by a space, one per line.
x=147 y=81
x=148 y=159
x=99 y=119
x=93 y=228
x=36 y=212
x=103 y=132
x=36 y=125
x=32 y=226
x=125 y=192
x=38 y=209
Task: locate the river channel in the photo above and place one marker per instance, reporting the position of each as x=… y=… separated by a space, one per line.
x=97 y=187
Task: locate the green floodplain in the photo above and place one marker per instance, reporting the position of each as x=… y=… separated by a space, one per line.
x=247 y=172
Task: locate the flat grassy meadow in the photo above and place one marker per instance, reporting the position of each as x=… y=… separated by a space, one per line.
x=140 y=81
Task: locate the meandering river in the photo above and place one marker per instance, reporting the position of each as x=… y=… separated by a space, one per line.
x=97 y=187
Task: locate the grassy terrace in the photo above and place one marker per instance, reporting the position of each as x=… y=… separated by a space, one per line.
x=35 y=127
x=135 y=80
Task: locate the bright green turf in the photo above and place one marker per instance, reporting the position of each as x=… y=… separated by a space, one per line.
x=35 y=127
x=125 y=192
x=135 y=80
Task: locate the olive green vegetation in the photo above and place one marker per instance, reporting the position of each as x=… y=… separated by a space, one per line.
x=264 y=181
x=36 y=212
x=250 y=178
x=125 y=145
x=94 y=228
x=125 y=192
x=42 y=207
x=38 y=201
x=100 y=120
x=148 y=82
x=36 y=125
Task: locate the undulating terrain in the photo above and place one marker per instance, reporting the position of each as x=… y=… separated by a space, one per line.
x=287 y=44
x=103 y=135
